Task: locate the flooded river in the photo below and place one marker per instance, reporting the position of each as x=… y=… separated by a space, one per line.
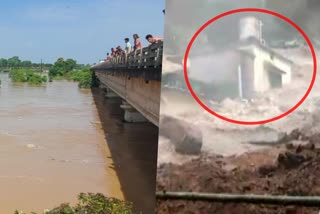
x=58 y=141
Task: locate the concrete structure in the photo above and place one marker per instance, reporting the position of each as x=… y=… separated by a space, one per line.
x=136 y=79
x=263 y=68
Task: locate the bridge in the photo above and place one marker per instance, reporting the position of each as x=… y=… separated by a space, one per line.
x=136 y=78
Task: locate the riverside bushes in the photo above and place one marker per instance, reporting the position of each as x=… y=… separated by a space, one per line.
x=70 y=70
x=92 y=204
x=83 y=76
x=27 y=75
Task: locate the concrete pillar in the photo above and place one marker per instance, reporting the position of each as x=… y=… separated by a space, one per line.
x=110 y=94
x=249 y=30
x=247 y=74
x=102 y=86
x=131 y=115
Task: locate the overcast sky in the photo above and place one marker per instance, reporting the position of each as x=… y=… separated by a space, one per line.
x=81 y=29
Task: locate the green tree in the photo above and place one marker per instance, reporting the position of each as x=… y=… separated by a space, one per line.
x=61 y=67
x=70 y=64
x=58 y=68
x=26 y=64
x=14 y=62
x=3 y=63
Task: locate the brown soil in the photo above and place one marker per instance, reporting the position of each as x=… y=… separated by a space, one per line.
x=291 y=169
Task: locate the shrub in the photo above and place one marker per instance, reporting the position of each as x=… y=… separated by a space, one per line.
x=84 y=77
x=18 y=75
x=93 y=204
x=27 y=75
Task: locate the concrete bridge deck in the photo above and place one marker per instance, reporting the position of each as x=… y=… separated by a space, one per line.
x=136 y=78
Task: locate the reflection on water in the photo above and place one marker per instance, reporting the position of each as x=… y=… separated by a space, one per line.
x=54 y=146
x=134 y=148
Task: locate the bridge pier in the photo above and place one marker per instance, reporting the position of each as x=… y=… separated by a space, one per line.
x=109 y=93
x=131 y=115
x=102 y=86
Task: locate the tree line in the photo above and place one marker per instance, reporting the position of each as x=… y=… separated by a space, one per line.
x=16 y=62
x=27 y=71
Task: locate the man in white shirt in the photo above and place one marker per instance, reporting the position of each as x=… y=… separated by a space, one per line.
x=128 y=46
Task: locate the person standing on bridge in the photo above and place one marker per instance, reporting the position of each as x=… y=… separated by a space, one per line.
x=108 y=57
x=119 y=51
x=153 y=40
x=137 y=42
x=128 y=46
x=113 y=52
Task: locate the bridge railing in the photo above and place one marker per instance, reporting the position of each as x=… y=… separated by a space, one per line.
x=148 y=57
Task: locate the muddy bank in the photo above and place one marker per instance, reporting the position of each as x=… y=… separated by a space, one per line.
x=289 y=169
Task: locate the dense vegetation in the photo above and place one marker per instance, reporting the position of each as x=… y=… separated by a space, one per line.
x=92 y=204
x=27 y=71
x=83 y=76
x=27 y=75
x=16 y=62
x=61 y=67
x=69 y=69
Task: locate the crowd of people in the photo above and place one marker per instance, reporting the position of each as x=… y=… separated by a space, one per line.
x=128 y=48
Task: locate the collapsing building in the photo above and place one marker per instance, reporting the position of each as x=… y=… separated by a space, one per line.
x=245 y=69
x=261 y=68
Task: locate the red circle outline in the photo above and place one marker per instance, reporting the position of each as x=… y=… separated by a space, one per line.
x=240 y=11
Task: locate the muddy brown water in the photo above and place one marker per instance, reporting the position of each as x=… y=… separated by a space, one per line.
x=58 y=141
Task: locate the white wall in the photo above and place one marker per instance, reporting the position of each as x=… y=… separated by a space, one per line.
x=261 y=76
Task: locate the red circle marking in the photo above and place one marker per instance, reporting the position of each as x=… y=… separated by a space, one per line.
x=240 y=11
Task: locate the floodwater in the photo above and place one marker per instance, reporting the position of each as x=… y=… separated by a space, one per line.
x=54 y=145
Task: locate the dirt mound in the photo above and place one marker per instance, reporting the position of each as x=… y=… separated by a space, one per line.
x=287 y=170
